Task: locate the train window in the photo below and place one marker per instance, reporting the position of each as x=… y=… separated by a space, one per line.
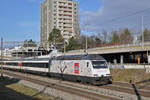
x=87 y=64
x=99 y=64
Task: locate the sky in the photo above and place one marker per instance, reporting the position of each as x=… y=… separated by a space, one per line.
x=20 y=19
x=116 y=15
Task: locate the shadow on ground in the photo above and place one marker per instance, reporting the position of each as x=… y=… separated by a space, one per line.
x=135 y=90
x=145 y=83
x=9 y=94
x=148 y=80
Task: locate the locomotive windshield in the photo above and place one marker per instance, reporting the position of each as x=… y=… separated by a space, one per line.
x=99 y=64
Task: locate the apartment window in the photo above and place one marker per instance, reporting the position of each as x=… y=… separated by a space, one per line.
x=69 y=3
x=54 y=26
x=55 y=10
x=54 y=14
x=55 y=2
x=55 y=6
x=60 y=15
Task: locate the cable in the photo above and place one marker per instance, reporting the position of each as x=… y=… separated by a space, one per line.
x=121 y=17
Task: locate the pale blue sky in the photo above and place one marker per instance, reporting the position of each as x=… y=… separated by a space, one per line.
x=20 y=19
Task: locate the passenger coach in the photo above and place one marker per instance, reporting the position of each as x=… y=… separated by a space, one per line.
x=82 y=68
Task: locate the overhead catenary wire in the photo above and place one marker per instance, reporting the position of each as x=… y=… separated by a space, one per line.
x=121 y=17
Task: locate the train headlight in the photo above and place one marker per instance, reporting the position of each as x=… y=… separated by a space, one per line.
x=107 y=74
x=95 y=75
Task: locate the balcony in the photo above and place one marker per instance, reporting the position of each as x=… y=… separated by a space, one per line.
x=61 y=24
x=70 y=16
x=67 y=17
x=67 y=21
x=69 y=6
x=61 y=12
x=67 y=9
x=69 y=3
x=62 y=5
x=68 y=13
x=61 y=21
x=60 y=17
x=70 y=31
x=67 y=25
x=67 y=29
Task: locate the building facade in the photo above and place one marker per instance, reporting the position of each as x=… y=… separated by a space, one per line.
x=60 y=14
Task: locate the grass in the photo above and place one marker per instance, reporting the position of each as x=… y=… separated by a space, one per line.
x=29 y=92
x=122 y=75
x=125 y=75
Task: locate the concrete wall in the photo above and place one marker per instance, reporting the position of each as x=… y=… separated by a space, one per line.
x=130 y=66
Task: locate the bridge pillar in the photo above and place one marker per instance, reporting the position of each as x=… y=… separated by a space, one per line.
x=134 y=58
x=142 y=58
x=115 y=61
x=121 y=60
x=148 y=61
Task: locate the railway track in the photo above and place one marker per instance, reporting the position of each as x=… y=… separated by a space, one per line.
x=118 y=89
x=144 y=87
x=114 y=91
x=62 y=87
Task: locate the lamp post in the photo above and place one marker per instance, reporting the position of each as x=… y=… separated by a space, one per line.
x=142 y=33
x=86 y=45
x=86 y=40
x=1 y=57
x=65 y=46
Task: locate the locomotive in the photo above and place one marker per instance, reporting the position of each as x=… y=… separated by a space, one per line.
x=88 y=68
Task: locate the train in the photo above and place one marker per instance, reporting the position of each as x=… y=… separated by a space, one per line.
x=87 y=68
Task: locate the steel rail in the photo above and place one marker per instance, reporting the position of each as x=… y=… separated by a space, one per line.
x=67 y=89
x=126 y=89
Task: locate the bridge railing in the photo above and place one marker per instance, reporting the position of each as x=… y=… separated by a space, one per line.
x=121 y=46
x=111 y=47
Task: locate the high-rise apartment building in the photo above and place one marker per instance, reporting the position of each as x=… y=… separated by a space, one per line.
x=60 y=14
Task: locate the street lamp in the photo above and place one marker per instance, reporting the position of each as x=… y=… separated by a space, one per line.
x=142 y=33
x=86 y=45
x=1 y=57
x=65 y=42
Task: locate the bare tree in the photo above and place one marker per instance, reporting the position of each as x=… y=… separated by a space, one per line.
x=105 y=36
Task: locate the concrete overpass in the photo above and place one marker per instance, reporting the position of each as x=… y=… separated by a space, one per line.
x=122 y=53
x=114 y=49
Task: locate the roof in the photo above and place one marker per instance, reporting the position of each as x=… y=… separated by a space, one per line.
x=81 y=57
